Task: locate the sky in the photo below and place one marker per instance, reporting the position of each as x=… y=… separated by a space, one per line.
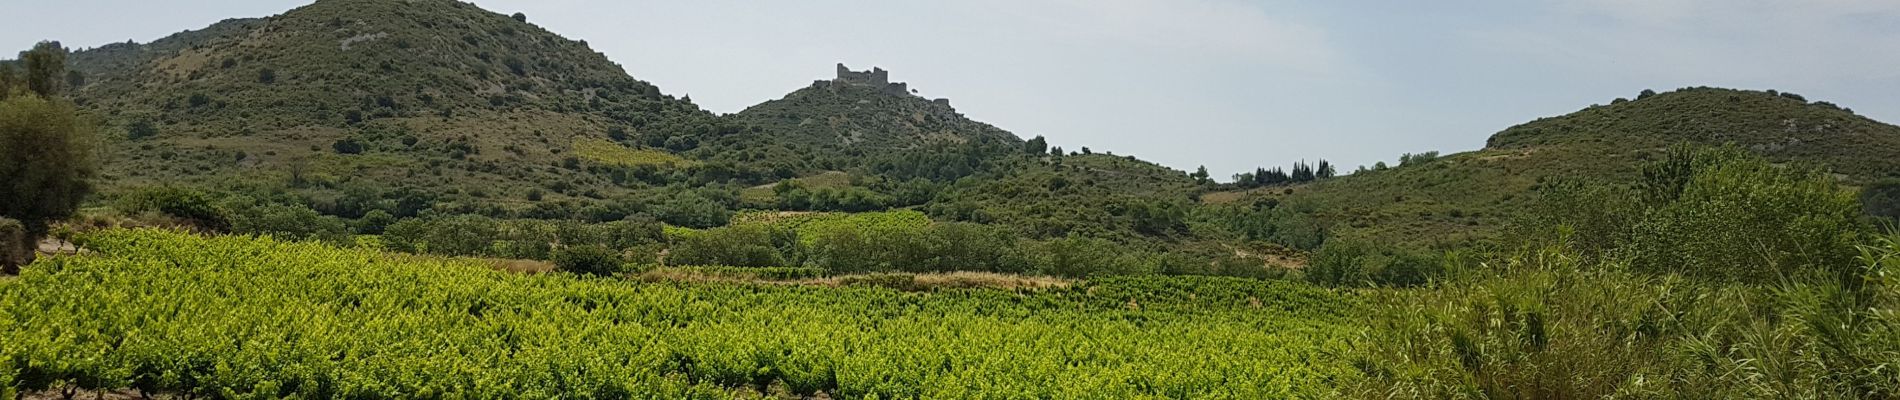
x=1227 y=84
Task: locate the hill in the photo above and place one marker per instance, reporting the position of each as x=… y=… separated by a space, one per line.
x=436 y=96
x=864 y=112
x=1467 y=197
x=437 y=107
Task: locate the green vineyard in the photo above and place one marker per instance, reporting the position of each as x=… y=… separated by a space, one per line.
x=232 y=317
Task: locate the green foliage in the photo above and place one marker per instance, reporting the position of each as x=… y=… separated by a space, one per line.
x=752 y=273
x=45 y=67
x=456 y=235
x=1415 y=159
x=692 y=209
x=1713 y=213
x=1292 y=225
x=9 y=80
x=1546 y=323
x=1736 y=210
x=933 y=248
x=290 y=222
x=13 y=250
x=475 y=235
x=47 y=156
x=588 y=260
x=140 y=130
x=1882 y=200
x=195 y=207
x=739 y=245
x=238 y=317
x=347 y=146
x=1351 y=263
x=374 y=222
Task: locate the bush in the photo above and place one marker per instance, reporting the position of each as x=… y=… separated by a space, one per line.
x=140 y=129
x=461 y=235
x=1882 y=200
x=347 y=146
x=1545 y=323
x=291 y=222
x=693 y=210
x=1351 y=263
x=941 y=247
x=588 y=260
x=13 y=246
x=374 y=222
x=1339 y=263
x=739 y=246
x=1079 y=257
x=1730 y=215
x=193 y=206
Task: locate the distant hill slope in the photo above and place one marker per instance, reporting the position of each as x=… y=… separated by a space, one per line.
x=1468 y=197
x=888 y=138
x=852 y=119
x=433 y=94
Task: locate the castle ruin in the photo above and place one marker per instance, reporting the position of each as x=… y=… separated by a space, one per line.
x=875 y=78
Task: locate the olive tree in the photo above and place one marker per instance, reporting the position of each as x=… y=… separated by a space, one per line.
x=46 y=154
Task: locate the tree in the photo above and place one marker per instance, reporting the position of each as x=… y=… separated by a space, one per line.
x=1037 y=146
x=47 y=156
x=589 y=260
x=1325 y=170
x=1200 y=175
x=1645 y=94
x=266 y=76
x=521 y=17
x=140 y=129
x=374 y=222
x=45 y=67
x=347 y=146
x=8 y=80
x=1882 y=200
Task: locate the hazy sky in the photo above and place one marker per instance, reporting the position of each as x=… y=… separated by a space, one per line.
x=1227 y=84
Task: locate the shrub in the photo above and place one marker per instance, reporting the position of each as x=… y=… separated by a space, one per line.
x=347 y=146
x=12 y=244
x=1882 y=200
x=292 y=222
x=739 y=246
x=193 y=206
x=693 y=210
x=1338 y=263
x=1078 y=257
x=461 y=235
x=374 y=222
x=1727 y=214
x=1351 y=263
x=588 y=260
x=140 y=129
